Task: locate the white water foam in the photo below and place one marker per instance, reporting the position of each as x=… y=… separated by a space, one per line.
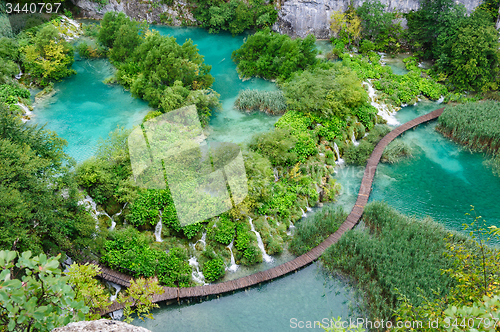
x=197 y=275
x=233 y=266
x=382 y=109
x=265 y=256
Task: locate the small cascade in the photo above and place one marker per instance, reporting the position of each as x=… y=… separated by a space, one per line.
x=383 y=110
x=89 y=202
x=26 y=111
x=304 y=215
x=308 y=209
x=118 y=314
x=233 y=266
x=339 y=160
x=292 y=226
x=440 y=100
x=197 y=275
x=353 y=139
x=113 y=222
x=265 y=256
x=276 y=176
x=158 y=230
x=203 y=239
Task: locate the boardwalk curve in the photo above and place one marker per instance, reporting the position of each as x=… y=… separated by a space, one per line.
x=173 y=293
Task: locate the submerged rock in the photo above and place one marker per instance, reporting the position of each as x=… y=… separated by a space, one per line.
x=101 y=325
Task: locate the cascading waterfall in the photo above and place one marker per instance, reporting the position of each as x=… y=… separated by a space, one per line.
x=158 y=229
x=304 y=215
x=113 y=222
x=26 y=111
x=440 y=100
x=233 y=266
x=265 y=256
x=276 y=176
x=292 y=226
x=203 y=239
x=339 y=160
x=383 y=110
x=118 y=314
x=197 y=275
x=353 y=139
x=308 y=209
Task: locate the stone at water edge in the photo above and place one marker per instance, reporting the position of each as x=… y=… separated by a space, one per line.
x=101 y=325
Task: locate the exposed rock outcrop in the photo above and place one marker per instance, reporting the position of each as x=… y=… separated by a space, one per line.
x=177 y=14
x=298 y=18
x=101 y=325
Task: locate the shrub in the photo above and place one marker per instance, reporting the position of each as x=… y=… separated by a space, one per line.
x=358 y=155
x=395 y=151
x=214 y=269
x=276 y=145
x=270 y=55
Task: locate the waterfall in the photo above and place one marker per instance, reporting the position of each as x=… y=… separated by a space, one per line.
x=292 y=226
x=383 y=111
x=308 y=209
x=276 y=176
x=353 y=139
x=158 y=229
x=304 y=215
x=118 y=314
x=26 y=111
x=440 y=100
x=113 y=222
x=203 y=239
x=197 y=275
x=265 y=256
x=339 y=160
x=233 y=266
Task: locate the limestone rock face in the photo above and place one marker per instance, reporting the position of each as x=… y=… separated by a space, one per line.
x=101 y=325
x=298 y=18
x=177 y=14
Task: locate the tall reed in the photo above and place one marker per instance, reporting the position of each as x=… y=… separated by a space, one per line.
x=271 y=102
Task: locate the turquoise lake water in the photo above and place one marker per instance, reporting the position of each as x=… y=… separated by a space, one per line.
x=442 y=181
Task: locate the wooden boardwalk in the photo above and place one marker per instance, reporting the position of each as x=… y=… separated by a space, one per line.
x=172 y=293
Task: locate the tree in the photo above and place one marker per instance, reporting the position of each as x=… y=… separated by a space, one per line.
x=34 y=215
x=33 y=294
x=469 y=55
x=110 y=25
x=88 y=289
x=138 y=298
x=126 y=40
x=347 y=26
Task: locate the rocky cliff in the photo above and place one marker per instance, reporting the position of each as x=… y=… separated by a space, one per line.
x=101 y=325
x=298 y=18
x=177 y=14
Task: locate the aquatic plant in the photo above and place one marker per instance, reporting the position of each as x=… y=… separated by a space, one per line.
x=393 y=255
x=395 y=151
x=475 y=125
x=271 y=102
x=311 y=231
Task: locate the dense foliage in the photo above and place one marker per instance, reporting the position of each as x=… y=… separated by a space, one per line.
x=34 y=215
x=234 y=16
x=394 y=255
x=129 y=251
x=395 y=151
x=358 y=155
x=34 y=296
x=465 y=47
x=271 y=55
x=311 y=231
x=167 y=83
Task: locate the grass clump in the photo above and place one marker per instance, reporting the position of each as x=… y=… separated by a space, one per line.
x=271 y=102
x=393 y=255
x=312 y=231
x=475 y=125
x=396 y=150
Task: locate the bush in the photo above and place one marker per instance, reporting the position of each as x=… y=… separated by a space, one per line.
x=359 y=155
x=270 y=55
x=214 y=269
x=276 y=145
x=224 y=230
x=311 y=231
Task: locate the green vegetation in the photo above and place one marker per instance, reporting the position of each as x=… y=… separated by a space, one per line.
x=475 y=125
x=394 y=255
x=34 y=295
x=270 y=55
x=167 y=83
x=234 y=16
x=465 y=47
x=358 y=155
x=395 y=151
x=214 y=269
x=378 y=27
x=311 y=231
x=271 y=102
x=138 y=299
